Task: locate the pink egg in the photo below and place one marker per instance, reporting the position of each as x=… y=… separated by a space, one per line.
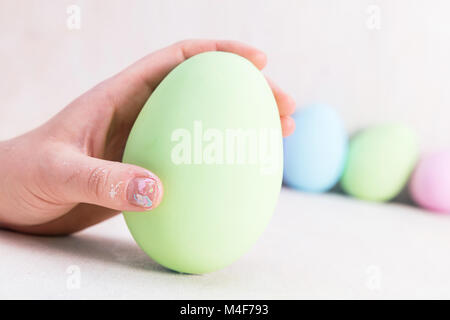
x=430 y=182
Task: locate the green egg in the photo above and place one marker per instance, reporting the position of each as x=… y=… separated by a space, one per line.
x=211 y=131
x=380 y=161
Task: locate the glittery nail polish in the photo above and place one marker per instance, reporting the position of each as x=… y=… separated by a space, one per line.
x=143 y=192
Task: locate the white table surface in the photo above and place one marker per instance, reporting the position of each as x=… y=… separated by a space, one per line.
x=317 y=246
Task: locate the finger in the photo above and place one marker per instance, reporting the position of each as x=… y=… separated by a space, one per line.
x=154 y=67
x=287 y=125
x=109 y=184
x=130 y=89
x=286 y=104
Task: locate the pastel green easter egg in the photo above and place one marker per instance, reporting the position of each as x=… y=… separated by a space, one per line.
x=211 y=132
x=380 y=161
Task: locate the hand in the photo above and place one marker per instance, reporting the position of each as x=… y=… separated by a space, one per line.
x=66 y=175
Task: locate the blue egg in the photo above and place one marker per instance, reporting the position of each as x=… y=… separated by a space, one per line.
x=315 y=154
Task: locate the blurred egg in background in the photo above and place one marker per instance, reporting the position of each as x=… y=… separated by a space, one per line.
x=430 y=182
x=380 y=161
x=314 y=155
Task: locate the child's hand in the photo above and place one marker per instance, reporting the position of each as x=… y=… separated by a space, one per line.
x=65 y=175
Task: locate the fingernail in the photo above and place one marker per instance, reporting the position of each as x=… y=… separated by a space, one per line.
x=143 y=192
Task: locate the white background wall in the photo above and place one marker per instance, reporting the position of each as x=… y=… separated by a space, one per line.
x=319 y=50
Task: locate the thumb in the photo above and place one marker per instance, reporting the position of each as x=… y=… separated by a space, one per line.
x=110 y=184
